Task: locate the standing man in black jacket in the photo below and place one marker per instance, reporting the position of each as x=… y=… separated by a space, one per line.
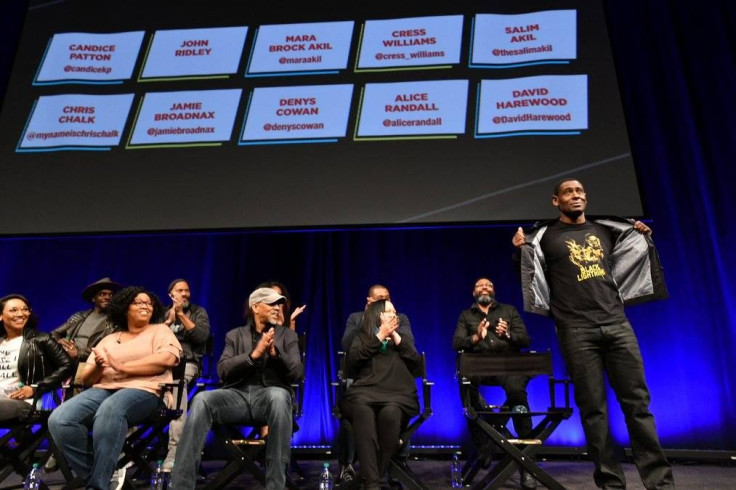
x=580 y=272
x=257 y=367
x=490 y=327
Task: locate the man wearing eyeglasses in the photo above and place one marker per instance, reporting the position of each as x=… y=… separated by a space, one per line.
x=257 y=367
x=191 y=325
x=490 y=327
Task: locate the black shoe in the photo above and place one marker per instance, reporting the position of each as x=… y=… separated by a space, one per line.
x=485 y=455
x=485 y=459
x=527 y=480
x=347 y=474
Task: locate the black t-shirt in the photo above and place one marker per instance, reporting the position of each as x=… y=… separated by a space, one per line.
x=582 y=290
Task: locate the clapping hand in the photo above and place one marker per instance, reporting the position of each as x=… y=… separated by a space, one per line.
x=389 y=325
x=100 y=357
x=265 y=345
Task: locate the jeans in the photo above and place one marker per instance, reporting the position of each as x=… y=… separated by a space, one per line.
x=177 y=425
x=613 y=349
x=108 y=413
x=248 y=405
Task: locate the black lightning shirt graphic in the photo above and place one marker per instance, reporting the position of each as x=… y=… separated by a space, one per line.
x=583 y=292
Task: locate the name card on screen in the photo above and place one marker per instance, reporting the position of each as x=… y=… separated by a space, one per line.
x=304 y=48
x=410 y=43
x=412 y=109
x=75 y=122
x=199 y=53
x=78 y=57
x=315 y=113
x=186 y=118
x=505 y=41
x=544 y=104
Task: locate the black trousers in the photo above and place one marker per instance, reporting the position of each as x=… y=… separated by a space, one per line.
x=376 y=430
x=591 y=353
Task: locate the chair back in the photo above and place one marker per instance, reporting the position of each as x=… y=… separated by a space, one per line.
x=298 y=386
x=206 y=363
x=506 y=364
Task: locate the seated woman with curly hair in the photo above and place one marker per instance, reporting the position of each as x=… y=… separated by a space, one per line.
x=125 y=370
x=383 y=396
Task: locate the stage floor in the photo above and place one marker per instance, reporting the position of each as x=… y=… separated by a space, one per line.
x=574 y=475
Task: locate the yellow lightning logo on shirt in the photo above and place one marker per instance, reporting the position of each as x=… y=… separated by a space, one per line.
x=587 y=257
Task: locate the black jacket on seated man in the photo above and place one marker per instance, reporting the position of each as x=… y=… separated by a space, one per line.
x=237 y=368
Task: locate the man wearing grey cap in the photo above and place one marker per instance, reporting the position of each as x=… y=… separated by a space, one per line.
x=257 y=367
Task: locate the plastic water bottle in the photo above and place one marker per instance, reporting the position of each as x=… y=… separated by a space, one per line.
x=158 y=477
x=33 y=480
x=456 y=473
x=325 y=479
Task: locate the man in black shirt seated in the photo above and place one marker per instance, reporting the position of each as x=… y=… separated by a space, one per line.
x=490 y=327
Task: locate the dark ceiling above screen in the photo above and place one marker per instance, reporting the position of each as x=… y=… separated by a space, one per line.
x=225 y=117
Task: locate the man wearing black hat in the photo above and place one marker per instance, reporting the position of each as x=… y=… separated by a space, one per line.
x=257 y=367
x=191 y=325
x=85 y=328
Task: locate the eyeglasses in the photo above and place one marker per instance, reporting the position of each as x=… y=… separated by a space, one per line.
x=139 y=303
x=484 y=285
x=24 y=311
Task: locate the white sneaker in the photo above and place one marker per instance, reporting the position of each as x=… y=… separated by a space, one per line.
x=51 y=465
x=118 y=477
x=167 y=466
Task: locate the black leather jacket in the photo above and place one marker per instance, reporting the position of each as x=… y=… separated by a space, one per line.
x=42 y=361
x=70 y=328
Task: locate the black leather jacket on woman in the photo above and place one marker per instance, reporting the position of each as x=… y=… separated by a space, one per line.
x=42 y=361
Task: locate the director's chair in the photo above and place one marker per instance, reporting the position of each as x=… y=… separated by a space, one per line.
x=398 y=469
x=24 y=436
x=519 y=452
x=146 y=442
